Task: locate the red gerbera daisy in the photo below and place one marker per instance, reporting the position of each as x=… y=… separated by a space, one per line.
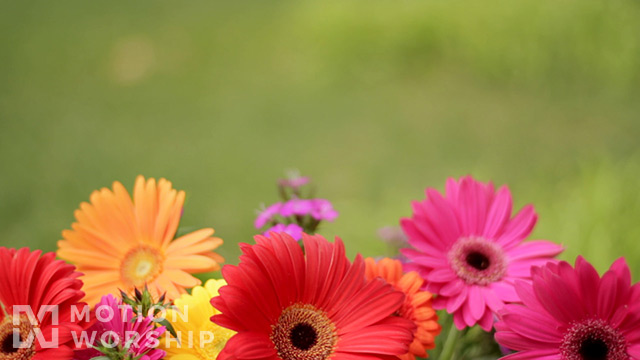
x=574 y=314
x=38 y=282
x=313 y=305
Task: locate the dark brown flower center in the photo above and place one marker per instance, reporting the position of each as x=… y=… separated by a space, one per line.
x=594 y=349
x=18 y=350
x=477 y=260
x=304 y=332
x=7 y=345
x=593 y=339
x=303 y=336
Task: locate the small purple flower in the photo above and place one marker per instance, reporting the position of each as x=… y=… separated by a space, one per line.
x=323 y=210
x=296 y=207
x=267 y=214
x=294 y=180
x=292 y=229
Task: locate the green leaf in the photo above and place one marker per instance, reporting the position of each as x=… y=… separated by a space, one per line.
x=169 y=327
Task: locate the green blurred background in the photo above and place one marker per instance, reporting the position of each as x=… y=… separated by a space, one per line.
x=374 y=100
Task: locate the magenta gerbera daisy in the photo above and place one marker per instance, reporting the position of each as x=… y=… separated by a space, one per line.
x=470 y=250
x=313 y=305
x=118 y=334
x=573 y=314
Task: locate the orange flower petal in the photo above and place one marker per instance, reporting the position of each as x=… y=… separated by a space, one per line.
x=191 y=263
x=121 y=241
x=417 y=305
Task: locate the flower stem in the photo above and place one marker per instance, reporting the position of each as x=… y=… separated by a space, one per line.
x=450 y=344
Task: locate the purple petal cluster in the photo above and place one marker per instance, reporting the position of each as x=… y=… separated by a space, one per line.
x=296 y=213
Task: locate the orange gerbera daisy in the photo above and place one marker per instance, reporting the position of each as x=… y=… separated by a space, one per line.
x=121 y=243
x=416 y=306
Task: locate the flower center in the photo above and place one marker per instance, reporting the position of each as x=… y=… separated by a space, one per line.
x=477 y=260
x=303 y=336
x=593 y=339
x=141 y=265
x=24 y=332
x=304 y=332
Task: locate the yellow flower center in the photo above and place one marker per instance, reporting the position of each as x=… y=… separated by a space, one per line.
x=10 y=350
x=141 y=265
x=304 y=332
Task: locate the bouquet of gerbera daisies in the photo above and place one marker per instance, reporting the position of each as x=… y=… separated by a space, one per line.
x=128 y=290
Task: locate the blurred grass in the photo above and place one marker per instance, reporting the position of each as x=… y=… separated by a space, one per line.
x=375 y=101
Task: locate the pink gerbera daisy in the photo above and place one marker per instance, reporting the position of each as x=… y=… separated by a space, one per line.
x=469 y=249
x=573 y=314
x=118 y=330
x=313 y=305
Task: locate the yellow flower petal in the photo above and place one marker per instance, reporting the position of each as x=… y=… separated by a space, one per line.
x=197 y=309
